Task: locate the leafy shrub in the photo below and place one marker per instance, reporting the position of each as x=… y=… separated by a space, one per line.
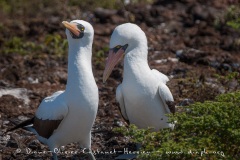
x=209 y=130
x=99 y=57
x=233 y=17
x=230 y=17
x=228 y=79
x=56 y=45
x=53 y=44
x=19 y=46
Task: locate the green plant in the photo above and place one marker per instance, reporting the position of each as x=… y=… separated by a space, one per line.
x=4 y=6
x=99 y=57
x=233 y=16
x=230 y=17
x=228 y=79
x=56 y=45
x=208 y=130
x=53 y=44
x=19 y=46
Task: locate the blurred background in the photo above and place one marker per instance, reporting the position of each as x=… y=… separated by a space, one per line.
x=194 y=42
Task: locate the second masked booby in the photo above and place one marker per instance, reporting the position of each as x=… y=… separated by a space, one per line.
x=143 y=95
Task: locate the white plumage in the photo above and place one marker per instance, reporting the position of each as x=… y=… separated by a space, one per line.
x=143 y=96
x=68 y=116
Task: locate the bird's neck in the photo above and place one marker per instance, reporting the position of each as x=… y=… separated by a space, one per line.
x=135 y=62
x=79 y=67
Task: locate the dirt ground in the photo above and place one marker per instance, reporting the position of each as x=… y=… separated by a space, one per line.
x=186 y=43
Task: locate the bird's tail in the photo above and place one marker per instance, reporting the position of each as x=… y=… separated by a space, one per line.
x=22 y=125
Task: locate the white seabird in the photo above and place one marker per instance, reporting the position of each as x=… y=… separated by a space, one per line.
x=143 y=96
x=68 y=116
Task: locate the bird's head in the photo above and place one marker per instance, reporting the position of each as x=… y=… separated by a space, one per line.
x=79 y=31
x=125 y=38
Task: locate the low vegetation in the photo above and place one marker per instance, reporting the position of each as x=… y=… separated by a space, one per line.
x=229 y=17
x=233 y=16
x=29 y=7
x=52 y=44
x=208 y=130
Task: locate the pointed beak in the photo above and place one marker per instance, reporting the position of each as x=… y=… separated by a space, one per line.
x=115 y=55
x=72 y=28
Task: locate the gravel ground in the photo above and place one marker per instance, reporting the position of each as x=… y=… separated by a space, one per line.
x=184 y=41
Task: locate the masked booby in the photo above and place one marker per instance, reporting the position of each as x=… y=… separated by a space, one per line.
x=143 y=95
x=68 y=116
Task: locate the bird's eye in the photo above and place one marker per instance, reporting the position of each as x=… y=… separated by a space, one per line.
x=80 y=27
x=116 y=48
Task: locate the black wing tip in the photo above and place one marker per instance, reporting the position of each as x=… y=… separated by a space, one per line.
x=22 y=125
x=171 y=106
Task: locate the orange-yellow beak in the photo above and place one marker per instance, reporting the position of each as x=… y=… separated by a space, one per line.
x=114 y=57
x=72 y=28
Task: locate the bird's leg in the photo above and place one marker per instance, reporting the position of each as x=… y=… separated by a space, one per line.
x=90 y=154
x=54 y=151
x=54 y=156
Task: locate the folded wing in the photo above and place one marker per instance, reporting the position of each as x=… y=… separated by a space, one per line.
x=50 y=113
x=120 y=100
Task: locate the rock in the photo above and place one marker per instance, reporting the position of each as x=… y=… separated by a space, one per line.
x=23 y=118
x=101 y=113
x=163 y=2
x=186 y=102
x=171 y=26
x=106 y=31
x=116 y=19
x=190 y=55
x=215 y=64
x=233 y=85
x=235 y=66
x=199 y=12
x=118 y=123
x=5 y=122
x=34 y=145
x=32 y=81
x=4 y=83
x=104 y=14
x=11 y=74
x=12 y=144
x=182 y=71
x=18 y=93
x=62 y=76
x=226 y=67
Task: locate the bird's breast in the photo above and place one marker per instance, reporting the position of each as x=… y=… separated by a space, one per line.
x=140 y=90
x=84 y=96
